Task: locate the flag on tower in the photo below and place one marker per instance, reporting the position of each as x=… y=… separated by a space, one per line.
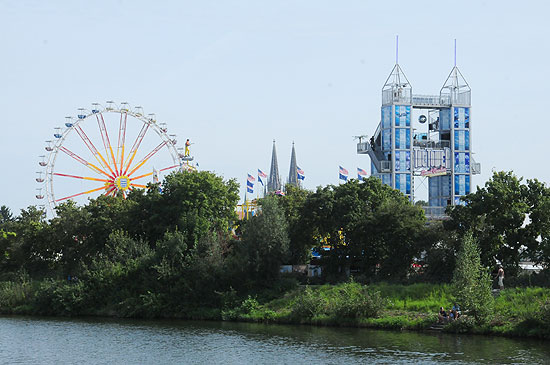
x=261 y=173
x=250 y=190
x=301 y=174
x=251 y=178
x=260 y=180
x=343 y=174
x=361 y=174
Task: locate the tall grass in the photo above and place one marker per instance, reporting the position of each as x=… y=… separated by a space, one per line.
x=13 y=295
x=521 y=303
x=420 y=297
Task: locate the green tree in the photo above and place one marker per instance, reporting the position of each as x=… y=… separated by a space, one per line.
x=473 y=282
x=439 y=260
x=537 y=239
x=263 y=246
x=24 y=251
x=369 y=226
x=506 y=217
x=299 y=249
x=192 y=202
x=5 y=215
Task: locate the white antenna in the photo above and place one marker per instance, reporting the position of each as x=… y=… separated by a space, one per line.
x=396 y=49
x=455 y=52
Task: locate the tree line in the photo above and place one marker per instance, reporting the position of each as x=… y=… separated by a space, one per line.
x=181 y=249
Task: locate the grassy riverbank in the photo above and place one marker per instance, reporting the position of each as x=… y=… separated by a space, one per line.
x=518 y=312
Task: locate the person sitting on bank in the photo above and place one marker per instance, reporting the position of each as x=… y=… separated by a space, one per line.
x=442 y=315
x=456 y=309
x=453 y=315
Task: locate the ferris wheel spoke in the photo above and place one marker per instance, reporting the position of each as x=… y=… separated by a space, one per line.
x=82 y=193
x=140 y=186
x=169 y=168
x=151 y=173
x=136 y=145
x=82 y=177
x=141 y=176
x=106 y=141
x=121 y=140
x=146 y=158
x=111 y=191
x=93 y=149
x=84 y=162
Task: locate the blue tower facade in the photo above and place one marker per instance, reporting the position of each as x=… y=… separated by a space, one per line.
x=426 y=137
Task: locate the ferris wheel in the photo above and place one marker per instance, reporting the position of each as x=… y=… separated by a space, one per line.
x=82 y=160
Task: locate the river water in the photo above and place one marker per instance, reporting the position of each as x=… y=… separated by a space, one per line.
x=32 y=340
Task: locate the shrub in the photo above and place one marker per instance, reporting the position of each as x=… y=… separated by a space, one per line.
x=245 y=309
x=307 y=304
x=352 y=300
x=59 y=298
x=463 y=324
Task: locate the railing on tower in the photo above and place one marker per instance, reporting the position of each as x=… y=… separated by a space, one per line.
x=435 y=213
x=396 y=95
x=381 y=165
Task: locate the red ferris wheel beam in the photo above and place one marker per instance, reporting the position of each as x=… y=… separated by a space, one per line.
x=106 y=140
x=111 y=191
x=140 y=186
x=84 y=162
x=169 y=168
x=93 y=149
x=146 y=158
x=121 y=140
x=83 y=193
x=150 y=173
x=82 y=177
x=136 y=145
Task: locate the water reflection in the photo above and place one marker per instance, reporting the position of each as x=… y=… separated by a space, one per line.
x=107 y=341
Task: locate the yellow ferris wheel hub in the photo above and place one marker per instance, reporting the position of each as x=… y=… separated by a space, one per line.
x=123 y=183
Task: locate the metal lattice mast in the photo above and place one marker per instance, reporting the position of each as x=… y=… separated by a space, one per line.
x=293 y=172
x=274 y=182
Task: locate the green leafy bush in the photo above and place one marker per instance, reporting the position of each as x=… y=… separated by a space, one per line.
x=353 y=300
x=59 y=298
x=307 y=304
x=463 y=324
x=246 y=308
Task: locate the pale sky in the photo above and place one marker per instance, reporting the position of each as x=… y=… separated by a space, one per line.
x=234 y=75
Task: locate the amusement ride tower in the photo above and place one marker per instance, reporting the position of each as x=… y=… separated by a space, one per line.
x=437 y=147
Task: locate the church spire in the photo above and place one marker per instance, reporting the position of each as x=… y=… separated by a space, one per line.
x=293 y=173
x=274 y=182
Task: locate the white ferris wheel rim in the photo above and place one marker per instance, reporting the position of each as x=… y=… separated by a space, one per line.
x=84 y=115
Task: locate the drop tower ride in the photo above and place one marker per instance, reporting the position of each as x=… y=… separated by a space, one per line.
x=437 y=146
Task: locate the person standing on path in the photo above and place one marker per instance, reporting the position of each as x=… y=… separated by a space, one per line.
x=500 y=276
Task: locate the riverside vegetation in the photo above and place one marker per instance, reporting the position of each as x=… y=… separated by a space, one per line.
x=179 y=252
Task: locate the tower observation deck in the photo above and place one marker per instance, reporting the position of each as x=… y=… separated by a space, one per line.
x=436 y=146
